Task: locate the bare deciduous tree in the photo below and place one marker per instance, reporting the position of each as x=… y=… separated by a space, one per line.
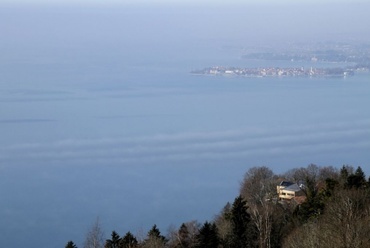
x=347 y=219
x=311 y=172
x=224 y=225
x=185 y=236
x=345 y=224
x=306 y=236
x=259 y=188
x=94 y=237
x=328 y=172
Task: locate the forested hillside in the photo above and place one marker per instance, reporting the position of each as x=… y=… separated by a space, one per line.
x=327 y=207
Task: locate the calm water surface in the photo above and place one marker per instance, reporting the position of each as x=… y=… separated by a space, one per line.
x=130 y=136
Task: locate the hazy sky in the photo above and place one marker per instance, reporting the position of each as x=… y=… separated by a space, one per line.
x=212 y=2
x=185 y=25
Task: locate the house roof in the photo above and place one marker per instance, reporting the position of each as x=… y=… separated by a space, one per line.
x=286 y=183
x=294 y=187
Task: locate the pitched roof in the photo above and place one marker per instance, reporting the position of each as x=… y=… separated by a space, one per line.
x=294 y=187
x=285 y=183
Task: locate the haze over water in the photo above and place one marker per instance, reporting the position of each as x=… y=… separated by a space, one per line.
x=100 y=117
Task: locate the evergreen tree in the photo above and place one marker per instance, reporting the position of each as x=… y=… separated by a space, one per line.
x=114 y=242
x=187 y=234
x=128 y=241
x=313 y=206
x=155 y=233
x=330 y=186
x=357 y=180
x=155 y=239
x=207 y=237
x=183 y=236
x=360 y=173
x=344 y=176
x=242 y=229
x=70 y=244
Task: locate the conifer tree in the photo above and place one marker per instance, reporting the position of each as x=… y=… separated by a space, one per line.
x=155 y=239
x=242 y=229
x=183 y=236
x=154 y=232
x=128 y=241
x=70 y=244
x=114 y=242
x=344 y=176
x=207 y=237
x=357 y=180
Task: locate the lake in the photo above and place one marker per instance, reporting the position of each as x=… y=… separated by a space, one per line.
x=125 y=133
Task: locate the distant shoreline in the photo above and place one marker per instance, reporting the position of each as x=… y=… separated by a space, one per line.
x=350 y=58
x=280 y=72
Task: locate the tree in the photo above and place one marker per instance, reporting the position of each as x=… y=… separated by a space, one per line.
x=185 y=236
x=313 y=207
x=312 y=171
x=70 y=244
x=305 y=236
x=242 y=230
x=177 y=238
x=328 y=172
x=282 y=224
x=154 y=232
x=128 y=241
x=346 y=219
x=259 y=189
x=114 y=242
x=357 y=180
x=224 y=226
x=330 y=186
x=343 y=224
x=155 y=239
x=258 y=183
x=345 y=172
x=207 y=237
x=94 y=238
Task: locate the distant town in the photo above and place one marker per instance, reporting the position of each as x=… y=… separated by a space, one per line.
x=355 y=58
x=277 y=72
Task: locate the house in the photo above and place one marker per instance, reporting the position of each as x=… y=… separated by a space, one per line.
x=283 y=185
x=288 y=190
